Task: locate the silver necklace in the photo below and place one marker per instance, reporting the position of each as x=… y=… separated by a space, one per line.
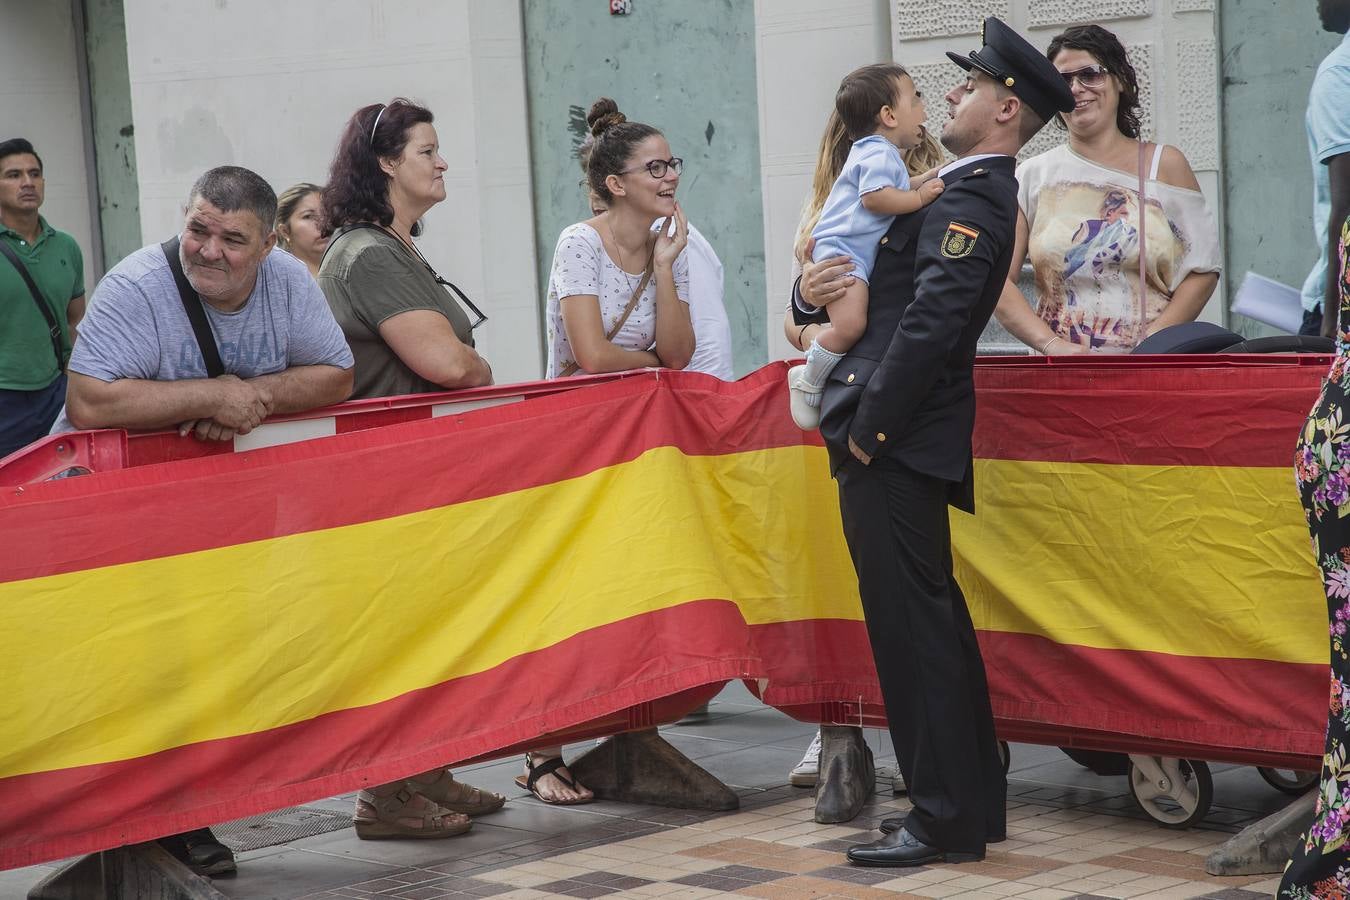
x=623 y=266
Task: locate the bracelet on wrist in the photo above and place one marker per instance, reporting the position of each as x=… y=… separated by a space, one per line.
x=1045 y=348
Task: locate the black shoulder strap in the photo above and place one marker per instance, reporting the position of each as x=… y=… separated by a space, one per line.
x=344 y=230
x=192 y=305
x=53 y=329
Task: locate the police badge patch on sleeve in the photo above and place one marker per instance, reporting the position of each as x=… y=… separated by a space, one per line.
x=958 y=240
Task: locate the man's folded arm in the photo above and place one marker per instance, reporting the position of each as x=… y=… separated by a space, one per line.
x=306 y=387
x=137 y=403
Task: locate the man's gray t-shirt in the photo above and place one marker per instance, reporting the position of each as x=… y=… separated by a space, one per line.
x=136 y=326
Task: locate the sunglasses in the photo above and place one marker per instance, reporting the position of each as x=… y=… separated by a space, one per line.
x=657 y=167
x=1088 y=76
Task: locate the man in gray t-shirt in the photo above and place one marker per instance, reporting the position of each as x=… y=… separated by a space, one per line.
x=137 y=363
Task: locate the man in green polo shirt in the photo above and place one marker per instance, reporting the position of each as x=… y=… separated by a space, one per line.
x=32 y=378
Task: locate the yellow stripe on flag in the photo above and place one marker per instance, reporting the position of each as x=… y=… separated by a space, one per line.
x=1189 y=560
x=278 y=631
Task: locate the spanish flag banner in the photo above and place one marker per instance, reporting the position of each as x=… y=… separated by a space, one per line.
x=193 y=641
x=1139 y=564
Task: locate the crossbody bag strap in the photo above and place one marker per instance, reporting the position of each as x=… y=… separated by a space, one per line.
x=192 y=305
x=53 y=329
x=572 y=367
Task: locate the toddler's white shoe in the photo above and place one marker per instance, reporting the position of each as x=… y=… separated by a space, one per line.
x=804 y=413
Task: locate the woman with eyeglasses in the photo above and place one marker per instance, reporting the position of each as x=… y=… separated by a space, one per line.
x=408 y=332
x=409 y=336
x=618 y=291
x=617 y=300
x=707 y=309
x=1082 y=221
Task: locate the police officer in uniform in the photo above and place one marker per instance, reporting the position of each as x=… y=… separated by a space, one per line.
x=897 y=415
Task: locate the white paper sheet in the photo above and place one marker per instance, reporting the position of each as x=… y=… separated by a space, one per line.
x=1268 y=301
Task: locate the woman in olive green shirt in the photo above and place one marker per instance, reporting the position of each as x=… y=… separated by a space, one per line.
x=408 y=336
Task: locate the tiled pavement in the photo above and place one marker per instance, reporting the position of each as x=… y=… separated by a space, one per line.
x=1071 y=834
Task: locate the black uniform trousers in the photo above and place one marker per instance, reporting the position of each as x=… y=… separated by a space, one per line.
x=931 y=672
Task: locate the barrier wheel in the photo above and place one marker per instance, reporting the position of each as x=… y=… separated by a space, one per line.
x=1005 y=755
x=1172 y=792
x=1289 y=781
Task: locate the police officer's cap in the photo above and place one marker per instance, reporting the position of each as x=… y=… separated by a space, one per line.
x=1010 y=60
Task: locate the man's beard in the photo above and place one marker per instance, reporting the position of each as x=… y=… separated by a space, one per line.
x=212 y=292
x=954 y=142
x=189 y=266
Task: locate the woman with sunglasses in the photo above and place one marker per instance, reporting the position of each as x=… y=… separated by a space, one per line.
x=408 y=333
x=1081 y=221
x=409 y=336
x=618 y=291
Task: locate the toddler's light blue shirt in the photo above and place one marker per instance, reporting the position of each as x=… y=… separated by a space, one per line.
x=846 y=227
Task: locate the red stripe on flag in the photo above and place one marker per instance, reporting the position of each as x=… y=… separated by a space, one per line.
x=1144 y=414
x=199 y=504
x=589 y=677
x=1227 y=709
x=1221 y=704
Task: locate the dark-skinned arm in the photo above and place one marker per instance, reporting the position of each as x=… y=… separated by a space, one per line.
x=1338 y=173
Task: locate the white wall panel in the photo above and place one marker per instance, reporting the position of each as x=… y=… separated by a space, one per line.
x=40 y=101
x=269 y=86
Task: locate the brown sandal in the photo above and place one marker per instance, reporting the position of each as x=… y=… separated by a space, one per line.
x=457 y=796
x=530 y=782
x=405 y=814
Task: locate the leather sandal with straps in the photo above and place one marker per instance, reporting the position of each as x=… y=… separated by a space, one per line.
x=405 y=814
x=441 y=788
x=530 y=781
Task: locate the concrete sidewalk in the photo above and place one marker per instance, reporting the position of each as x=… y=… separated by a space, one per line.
x=1070 y=834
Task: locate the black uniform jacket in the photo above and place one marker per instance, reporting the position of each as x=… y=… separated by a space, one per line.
x=905 y=390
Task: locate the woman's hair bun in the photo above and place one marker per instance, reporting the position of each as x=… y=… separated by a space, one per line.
x=603 y=115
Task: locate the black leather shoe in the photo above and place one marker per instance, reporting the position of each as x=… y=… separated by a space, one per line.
x=900 y=849
x=894 y=823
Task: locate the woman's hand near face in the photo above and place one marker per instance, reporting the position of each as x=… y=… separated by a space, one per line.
x=670 y=246
x=675 y=343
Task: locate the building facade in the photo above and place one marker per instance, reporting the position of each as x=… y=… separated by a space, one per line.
x=129 y=100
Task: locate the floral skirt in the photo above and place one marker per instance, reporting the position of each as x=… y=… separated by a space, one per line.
x=1321 y=863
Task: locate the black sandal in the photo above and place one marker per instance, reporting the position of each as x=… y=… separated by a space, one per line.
x=530 y=782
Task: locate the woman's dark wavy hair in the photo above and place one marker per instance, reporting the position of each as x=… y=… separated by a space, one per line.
x=615 y=140
x=1106 y=48
x=358 y=189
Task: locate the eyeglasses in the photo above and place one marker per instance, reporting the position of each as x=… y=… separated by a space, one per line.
x=480 y=317
x=1088 y=76
x=657 y=167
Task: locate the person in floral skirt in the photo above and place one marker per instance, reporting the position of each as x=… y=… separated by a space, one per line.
x=1321 y=864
